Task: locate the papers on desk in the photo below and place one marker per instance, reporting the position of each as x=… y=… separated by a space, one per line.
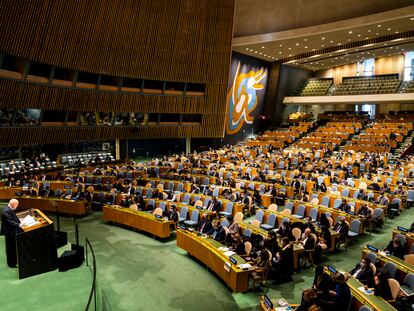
x=367 y=292
x=383 y=253
x=229 y=253
x=223 y=249
x=28 y=221
x=244 y=266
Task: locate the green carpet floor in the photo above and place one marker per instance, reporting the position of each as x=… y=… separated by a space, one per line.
x=137 y=272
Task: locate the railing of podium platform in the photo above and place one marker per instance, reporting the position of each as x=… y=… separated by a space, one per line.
x=92 y=294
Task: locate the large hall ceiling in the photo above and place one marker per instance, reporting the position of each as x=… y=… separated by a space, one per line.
x=335 y=43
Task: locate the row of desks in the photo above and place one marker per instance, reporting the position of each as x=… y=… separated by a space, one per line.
x=139 y=220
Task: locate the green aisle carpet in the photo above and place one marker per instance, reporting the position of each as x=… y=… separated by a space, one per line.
x=137 y=272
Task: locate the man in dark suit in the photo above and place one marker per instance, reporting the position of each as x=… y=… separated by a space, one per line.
x=214 y=205
x=205 y=224
x=10 y=226
x=345 y=207
x=217 y=232
x=342 y=228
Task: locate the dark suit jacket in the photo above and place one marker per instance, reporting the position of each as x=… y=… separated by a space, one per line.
x=220 y=233
x=343 y=229
x=310 y=243
x=10 y=223
x=366 y=276
x=395 y=251
x=174 y=216
x=205 y=226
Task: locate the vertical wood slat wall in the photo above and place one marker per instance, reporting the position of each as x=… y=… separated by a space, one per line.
x=172 y=40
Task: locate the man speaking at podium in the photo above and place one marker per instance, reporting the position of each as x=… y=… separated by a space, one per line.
x=10 y=226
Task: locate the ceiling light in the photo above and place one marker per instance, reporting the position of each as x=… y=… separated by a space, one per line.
x=306 y=47
x=369 y=30
x=273 y=57
x=251 y=50
x=349 y=40
x=280 y=45
x=255 y=52
x=263 y=47
x=356 y=50
x=280 y=52
x=331 y=41
x=322 y=45
x=350 y=31
x=290 y=55
x=265 y=55
x=247 y=49
x=396 y=32
x=323 y=38
x=388 y=29
x=412 y=18
x=359 y=35
x=305 y=39
x=289 y=49
x=330 y=54
x=297 y=43
x=378 y=25
x=313 y=49
x=260 y=53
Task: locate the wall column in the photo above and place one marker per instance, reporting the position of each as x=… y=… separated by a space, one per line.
x=187 y=145
x=117 y=149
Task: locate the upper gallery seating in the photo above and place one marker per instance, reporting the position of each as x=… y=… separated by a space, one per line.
x=85 y=158
x=22 y=166
x=314 y=87
x=341 y=116
x=407 y=87
x=381 y=84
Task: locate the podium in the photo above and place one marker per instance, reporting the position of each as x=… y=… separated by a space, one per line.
x=36 y=246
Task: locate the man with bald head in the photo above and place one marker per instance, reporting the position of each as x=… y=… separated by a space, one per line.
x=10 y=226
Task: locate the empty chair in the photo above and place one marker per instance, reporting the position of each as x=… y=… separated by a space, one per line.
x=351 y=183
x=259 y=216
x=313 y=196
x=372 y=257
x=270 y=223
x=337 y=203
x=315 y=201
x=161 y=205
x=170 y=186
x=186 y=199
x=238 y=217
x=390 y=269
x=395 y=287
x=180 y=187
x=313 y=214
x=286 y=212
x=228 y=211
x=345 y=192
x=193 y=220
x=409 y=280
x=355 y=195
x=325 y=201
x=247 y=233
x=215 y=192
x=251 y=186
x=272 y=208
x=354 y=228
x=256 y=223
x=183 y=214
x=300 y=212
x=289 y=206
x=410 y=197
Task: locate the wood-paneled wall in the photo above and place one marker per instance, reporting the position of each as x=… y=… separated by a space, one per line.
x=167 y=40
x=173 y=40
x=21 y=136
x=389 y=64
